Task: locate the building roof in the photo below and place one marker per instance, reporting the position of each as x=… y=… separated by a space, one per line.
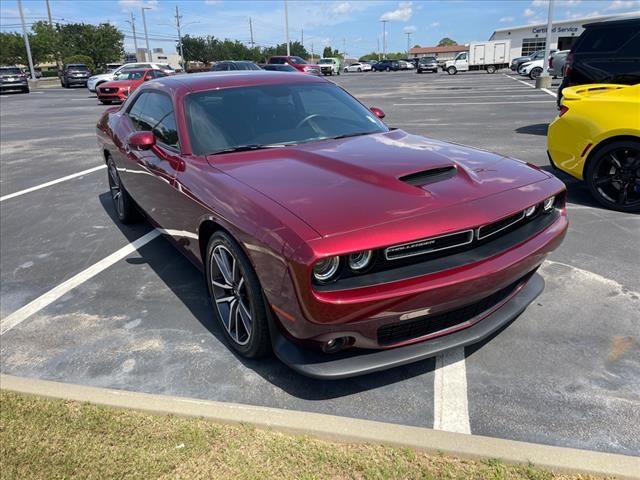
x=447 y=49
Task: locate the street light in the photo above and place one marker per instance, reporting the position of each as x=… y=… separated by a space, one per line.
x=544 y=80
x=146 y=35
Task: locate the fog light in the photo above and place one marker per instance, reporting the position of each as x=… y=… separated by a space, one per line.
x=361 y=260
x=530 y=211
x=336 y=344
x=547 y=206
x=326 y=269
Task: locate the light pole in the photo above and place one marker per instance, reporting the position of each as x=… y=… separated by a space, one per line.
x=384 y=38
x=408 y=34
x=26 y=41
x=544 y=80
x=178 y=18
x=286 y=26
x=146 y=35
x=132 y=22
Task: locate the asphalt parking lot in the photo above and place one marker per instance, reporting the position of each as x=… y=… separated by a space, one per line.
x=566 y=372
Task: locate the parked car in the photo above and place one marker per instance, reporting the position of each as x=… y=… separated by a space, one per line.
x=518 y=61
x=386 y=66
x=298 y=63
x=531 y=69
x=489 y=56
x=606 y=52
x=12 y=78
x=125 y=83
x=96 y=80
x=358 y=67
x=556 y=63
x=74 y=74
x=404 y=65
x=111 y=67
x=280 y=68
x=256 y=179
x=329 y=66
x=427 y=64
x=596 y=138
x=36 y=70
x=227 y=65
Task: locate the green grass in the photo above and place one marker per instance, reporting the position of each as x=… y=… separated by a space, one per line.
x=53 y=439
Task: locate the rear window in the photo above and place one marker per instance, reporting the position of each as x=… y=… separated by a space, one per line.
x=77 y=67
x=428 y=59
x=10 y=71
x=297 y=60
x=247 y=66
x=165 y=66
x=606 y=39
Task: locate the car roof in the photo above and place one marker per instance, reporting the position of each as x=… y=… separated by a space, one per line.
x=197 y=82
x=616 y=21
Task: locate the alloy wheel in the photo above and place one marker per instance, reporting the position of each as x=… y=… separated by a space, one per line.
x=616 y=177
x=116 y=189
x=231 y=295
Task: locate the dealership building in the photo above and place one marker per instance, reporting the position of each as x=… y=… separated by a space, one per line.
x=527 y=39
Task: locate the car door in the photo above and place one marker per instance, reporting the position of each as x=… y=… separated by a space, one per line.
x=461 y=62
x=149 y=174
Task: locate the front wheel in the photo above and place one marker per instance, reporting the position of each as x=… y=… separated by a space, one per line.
x=452 y=70
x=491 y=69
x=359 y=70
x=123 y=203
x=535 y=73
x=237 y=297
x=613 y=176
x=346 y=70
x=388 y=69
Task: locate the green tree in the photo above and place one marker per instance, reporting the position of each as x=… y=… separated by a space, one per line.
x=196 y=49
x=447 y=42
x=104 y=43
x=328 y=52
x=12 y=50
x=417 y=46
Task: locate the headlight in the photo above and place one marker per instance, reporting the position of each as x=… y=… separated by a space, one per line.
x=361 y=260
x=530 y=211
x=326 y=269
x=547 y=206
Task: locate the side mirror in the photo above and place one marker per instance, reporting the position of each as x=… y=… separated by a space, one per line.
x=141 y=140
x=377 y=112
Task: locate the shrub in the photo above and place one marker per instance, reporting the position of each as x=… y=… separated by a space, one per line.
x=88 y=61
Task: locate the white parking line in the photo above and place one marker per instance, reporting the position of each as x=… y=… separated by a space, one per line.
x=20 y=315
x=549 y=92
x=450 y=403
x=52 y=182
x=424 y=97
x=546 y=90
x=469 y=103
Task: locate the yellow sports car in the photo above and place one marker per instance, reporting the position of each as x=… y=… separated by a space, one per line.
x=596 y=138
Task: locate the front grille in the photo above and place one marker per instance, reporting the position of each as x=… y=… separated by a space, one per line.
x=428 y=245
x=400 y=332
x=495 y=227
x=108 y=90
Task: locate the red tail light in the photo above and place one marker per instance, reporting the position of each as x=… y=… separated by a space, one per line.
x=563 y=109
x=567 y=64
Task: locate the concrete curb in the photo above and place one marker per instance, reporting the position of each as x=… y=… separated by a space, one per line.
x=329 y=427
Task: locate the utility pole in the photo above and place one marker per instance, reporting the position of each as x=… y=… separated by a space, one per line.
x=132 y=22
x=384 y=38
x=544 y=80
x=344 y=48
x=178 y=18
x=26 y=41
x=49 y=13
x=146 y=35
x=378 y=50
x=408 y=42
x=313 y=56
x=286 y=26
x=251 y=32
x=302 y=36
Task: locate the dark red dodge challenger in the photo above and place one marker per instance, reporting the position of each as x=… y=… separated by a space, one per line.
x=344 y=246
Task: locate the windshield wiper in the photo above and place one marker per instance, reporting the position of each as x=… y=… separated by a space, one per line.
x=246 y=148
x=347 y=135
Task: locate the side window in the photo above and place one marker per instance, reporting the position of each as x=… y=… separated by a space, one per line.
x=135 y=111
x=157 y=116
x=277 y=61
x=606 y=39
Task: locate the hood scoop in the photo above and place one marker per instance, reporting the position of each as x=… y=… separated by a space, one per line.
x=425 y=177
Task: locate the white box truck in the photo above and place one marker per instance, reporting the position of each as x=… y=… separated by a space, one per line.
x=489 y=56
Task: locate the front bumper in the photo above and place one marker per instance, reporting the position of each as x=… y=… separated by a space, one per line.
x=14 y=85
x=351 y=363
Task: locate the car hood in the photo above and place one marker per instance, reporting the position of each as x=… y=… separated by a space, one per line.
x=103 y=76
x=119 y=84
x=336 y=186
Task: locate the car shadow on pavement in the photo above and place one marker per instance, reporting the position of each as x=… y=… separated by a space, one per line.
x=535 y=129
x=187 y=284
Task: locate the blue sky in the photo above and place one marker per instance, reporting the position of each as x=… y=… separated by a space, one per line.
x=352 y=23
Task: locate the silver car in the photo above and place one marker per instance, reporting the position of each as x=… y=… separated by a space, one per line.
x=556 y=63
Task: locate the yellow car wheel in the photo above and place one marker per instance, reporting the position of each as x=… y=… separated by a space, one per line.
x=613 y=175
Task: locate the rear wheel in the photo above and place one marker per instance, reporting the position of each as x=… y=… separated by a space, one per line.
x=123 y=203
x=613 y=176
x=491 y=69
x=535 y=73
x=237 y=298
x=452 y=70
x=388 y=69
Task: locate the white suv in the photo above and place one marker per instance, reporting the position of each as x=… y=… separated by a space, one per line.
x=96 y=80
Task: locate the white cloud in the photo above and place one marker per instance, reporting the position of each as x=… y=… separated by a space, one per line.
x=401 y=14
x=434 y=24
x=528 y=12
x=539 y=3
x=409 y=29
x=343 y=7
x=572 y=2
x=623 y=4
x=535 y=21
x=212 y=2
x=130 y=4
x=506 y=19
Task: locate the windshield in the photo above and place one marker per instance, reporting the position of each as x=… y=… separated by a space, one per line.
x=247 y=66
x=130 y=75
x=274 y=115
x=297 y=60
x=325 y=60
x=10 y=71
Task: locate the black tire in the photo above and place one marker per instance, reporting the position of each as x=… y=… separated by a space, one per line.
x=452 y=70
x=245 y=293
x=607 y=187
x=359 y=70
x=387 y=69
x=535 y=73
x=491 y=69
x=418 y=70
x=123 y=204
x=25 y=90
x=338 y=72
